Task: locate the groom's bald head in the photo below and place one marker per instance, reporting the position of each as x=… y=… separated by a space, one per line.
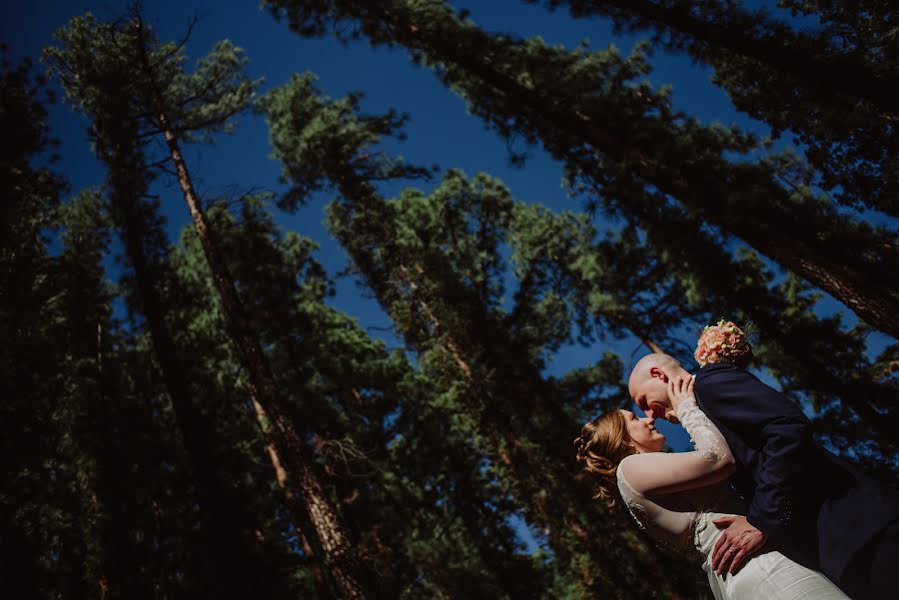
x=643 y=366
x=648 y=384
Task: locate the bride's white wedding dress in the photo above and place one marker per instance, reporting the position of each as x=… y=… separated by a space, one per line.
x=676 y=496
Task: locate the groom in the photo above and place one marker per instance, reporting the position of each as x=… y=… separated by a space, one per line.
x=804 y=501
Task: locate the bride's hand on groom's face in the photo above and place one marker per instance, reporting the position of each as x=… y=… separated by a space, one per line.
x=680 y=389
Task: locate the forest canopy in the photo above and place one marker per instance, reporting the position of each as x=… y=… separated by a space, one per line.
x=356 y=371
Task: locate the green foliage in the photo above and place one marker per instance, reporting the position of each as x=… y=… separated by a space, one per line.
x=826 y=85
x=378 y=426
x=133 y=461
x=96 y=59
x=101 y=67
x=678 y=182
x=436 y=265
x=332 y=136
x=624 y=144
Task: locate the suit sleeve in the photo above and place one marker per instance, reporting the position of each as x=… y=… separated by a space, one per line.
x=773 y=425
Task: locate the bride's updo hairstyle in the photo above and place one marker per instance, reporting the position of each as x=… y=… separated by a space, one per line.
x=603 y=444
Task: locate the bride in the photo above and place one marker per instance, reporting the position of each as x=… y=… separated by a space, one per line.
x=676 y=496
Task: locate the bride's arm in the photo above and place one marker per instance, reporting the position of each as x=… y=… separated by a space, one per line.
x=661 y=473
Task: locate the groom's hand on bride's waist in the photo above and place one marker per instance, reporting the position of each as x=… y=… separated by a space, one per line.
x=737 y=543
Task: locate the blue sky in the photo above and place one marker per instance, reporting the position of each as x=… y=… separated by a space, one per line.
x=439 y=131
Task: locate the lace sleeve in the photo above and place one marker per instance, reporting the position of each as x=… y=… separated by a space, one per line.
x=706 y=438
x=656 y=473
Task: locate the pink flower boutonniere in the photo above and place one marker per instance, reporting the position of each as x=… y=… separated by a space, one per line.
x=723 y=343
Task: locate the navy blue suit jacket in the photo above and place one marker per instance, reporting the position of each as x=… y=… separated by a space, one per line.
x=815 y=507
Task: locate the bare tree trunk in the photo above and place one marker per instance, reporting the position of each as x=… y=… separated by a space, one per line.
x=225 y=540
x=339 y=552
x=652 y=346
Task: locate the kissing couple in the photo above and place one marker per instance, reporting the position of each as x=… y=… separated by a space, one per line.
x=767 y=511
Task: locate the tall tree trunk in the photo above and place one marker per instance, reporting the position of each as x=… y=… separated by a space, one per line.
x=296 y=509
x=346 y=567
x=116 y=575
x=227 y=545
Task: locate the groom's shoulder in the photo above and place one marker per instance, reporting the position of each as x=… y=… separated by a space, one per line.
x=718 y=380
x=717 y=374
x=718 y=370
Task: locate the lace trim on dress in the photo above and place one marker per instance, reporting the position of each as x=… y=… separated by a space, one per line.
x=699 y=526
x=638 y=512
x=628 y=495
x=705 y=438
x=634 y=507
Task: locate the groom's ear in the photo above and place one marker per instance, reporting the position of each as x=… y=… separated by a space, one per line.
x=658 y=373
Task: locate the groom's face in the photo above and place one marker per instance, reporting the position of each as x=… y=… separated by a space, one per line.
x=649 y=391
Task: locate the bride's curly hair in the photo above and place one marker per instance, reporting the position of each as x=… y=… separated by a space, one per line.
x=603 y=444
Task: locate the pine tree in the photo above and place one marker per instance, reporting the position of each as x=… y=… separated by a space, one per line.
x=626 y=144
x=97 y=67
x=179 y=116
x=827 y=85
x=199 y=325
x=381 y=433
x=433 y=265
x=31 y=193
x=73 y=419
x=494 y=92
x=181 y=107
